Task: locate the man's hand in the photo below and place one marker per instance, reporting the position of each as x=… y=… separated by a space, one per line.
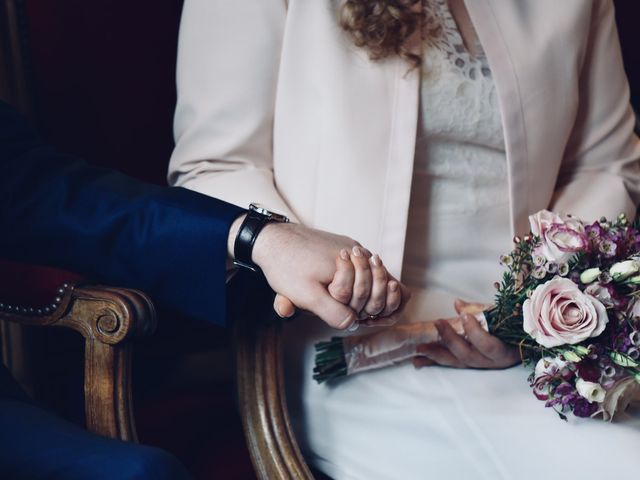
x=362 y=282
x=300 y=265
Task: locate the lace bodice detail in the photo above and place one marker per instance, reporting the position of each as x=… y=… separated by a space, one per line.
x=441 y=33
x=460 y=143
x=460 y=168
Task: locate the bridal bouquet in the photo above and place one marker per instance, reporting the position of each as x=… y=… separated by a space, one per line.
x=569 y=300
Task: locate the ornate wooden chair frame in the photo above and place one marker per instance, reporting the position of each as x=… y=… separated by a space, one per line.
x=108 y=319
x=262 y=402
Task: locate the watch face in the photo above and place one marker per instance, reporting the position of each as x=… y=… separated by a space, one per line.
x=262 y=210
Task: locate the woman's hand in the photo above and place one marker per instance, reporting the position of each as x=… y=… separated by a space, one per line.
x=475 y=348
x=362 y=282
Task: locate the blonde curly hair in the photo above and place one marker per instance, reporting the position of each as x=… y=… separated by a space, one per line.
x=382 y=27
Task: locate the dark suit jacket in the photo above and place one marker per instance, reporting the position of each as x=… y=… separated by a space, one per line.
x=169 y=242
x=56 y=210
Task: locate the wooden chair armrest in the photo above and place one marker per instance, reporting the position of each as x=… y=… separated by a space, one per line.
x=263 y=408
x=108 y=318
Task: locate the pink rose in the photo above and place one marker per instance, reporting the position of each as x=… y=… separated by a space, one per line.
x=561 y=236
x=542 y=220
x=558 y=313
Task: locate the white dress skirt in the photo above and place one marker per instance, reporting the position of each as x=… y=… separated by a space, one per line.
x=436 y=422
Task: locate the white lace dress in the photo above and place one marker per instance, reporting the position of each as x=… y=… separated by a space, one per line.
x=439 y=423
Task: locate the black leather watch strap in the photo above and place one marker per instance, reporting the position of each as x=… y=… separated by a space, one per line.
x=257 y=217
x=246 y=239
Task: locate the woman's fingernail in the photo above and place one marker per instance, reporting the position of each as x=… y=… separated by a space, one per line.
x=357 y=251
x=353 y=327
x=393 y=286
x=375 y=260
x=344 y=254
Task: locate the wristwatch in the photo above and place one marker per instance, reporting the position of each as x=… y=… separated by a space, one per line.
x=257 y=217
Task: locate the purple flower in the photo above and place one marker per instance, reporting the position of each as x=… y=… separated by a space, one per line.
x=583 y=408
x=594 y=231
x=588 y=370
x=553 y=402
x=565 y=389
x=608 y=248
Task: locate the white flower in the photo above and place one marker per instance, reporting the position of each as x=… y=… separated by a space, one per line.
x=549 y=366
x=590 y=390
x=634 y=311
x=622 y=270
x=600 y=292
x=547 y=369
x=590 y=275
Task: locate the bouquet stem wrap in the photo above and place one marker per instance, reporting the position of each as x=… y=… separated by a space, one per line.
x=359 y=353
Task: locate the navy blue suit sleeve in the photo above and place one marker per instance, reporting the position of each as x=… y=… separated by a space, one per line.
x=56 y=210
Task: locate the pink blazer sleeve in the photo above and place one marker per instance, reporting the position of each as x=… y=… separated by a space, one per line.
x=228 y=59
x=600 y=173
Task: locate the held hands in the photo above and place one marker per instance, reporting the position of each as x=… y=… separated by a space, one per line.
x=475 y=348
x=330 y=275
x=362 y=282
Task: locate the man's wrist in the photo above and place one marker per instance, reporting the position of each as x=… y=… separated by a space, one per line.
x=246 y=235
x=261 y=246
x=267 y=237
x=233 y=233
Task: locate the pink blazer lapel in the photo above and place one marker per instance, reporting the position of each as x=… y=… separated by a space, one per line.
x=488 y=29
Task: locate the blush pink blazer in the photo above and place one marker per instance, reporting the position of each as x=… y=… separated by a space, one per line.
x=275 y=105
